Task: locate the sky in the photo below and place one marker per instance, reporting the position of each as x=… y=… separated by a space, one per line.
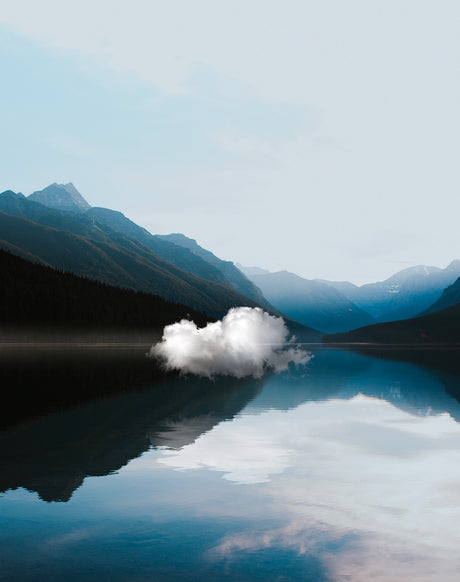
x=318 y=137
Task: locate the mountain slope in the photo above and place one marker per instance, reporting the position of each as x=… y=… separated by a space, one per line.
x=449 y=297
x=32 y=294
x=402 y=296
x=177 y=255
x=442 y=326
x=231 y=273
x=310 y=302
x=183 y=252
x=61 y=197
x=89 y=250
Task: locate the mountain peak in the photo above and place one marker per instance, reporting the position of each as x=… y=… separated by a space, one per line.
x=61 y=197
x=453 y=266
x=416 y=271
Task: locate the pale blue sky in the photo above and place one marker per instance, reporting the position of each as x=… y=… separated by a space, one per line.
x=322 y=138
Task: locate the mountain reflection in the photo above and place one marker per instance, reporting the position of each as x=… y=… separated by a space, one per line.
x=336 y=373
x=54 y=454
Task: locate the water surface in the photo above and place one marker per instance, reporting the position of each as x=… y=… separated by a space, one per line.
x=345 y=470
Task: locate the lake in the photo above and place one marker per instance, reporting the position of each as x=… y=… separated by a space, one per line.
x=347 y=469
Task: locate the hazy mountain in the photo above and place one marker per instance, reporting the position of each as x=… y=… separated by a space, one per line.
x=311 y=302
x=449 y=297
x=402 y=296
x=231 y=273
x=249 y=271
x=178 y=255
x=439 y=327
x=61 y=197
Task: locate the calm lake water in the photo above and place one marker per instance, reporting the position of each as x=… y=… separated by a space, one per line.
x=345 y=470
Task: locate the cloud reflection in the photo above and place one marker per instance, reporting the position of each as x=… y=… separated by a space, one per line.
x=360 y=467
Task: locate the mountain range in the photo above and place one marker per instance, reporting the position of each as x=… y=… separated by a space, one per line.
x=313 y=303
x=75 y=242
x=104 y=245
x=336 y=307
x=58 y=228
x=403 y=295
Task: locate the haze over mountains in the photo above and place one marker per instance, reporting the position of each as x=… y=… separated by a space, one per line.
x=403 y=295
x=322 y=306
x=57 y=227
x=440 y=323
x=342 y=306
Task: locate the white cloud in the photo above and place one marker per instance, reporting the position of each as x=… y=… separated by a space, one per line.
x=247 y=342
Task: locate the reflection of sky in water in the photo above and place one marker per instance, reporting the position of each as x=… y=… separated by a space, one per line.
x=316 y=479
x=360 y=466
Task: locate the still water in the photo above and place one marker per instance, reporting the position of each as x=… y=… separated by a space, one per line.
x=345 y=470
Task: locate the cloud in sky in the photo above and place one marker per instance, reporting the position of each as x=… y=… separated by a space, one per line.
x=247 y=342
x=359 y=133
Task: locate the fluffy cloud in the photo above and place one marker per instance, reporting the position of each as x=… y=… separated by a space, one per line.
x=247 y=342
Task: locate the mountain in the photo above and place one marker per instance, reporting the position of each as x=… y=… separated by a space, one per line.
x=177 y=255
x=19 y=205
x=177 y=249
x=95 y=221
x=33 y=295
x=402 y=296
x=312 y=303
x=231 y=273
x=61 y=197
x=76 y=243
x=450 y=296
x=440 y=327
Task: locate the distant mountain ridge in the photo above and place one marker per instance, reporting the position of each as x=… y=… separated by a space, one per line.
x=313 y=303
x=404 y=295
x=249 y=271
